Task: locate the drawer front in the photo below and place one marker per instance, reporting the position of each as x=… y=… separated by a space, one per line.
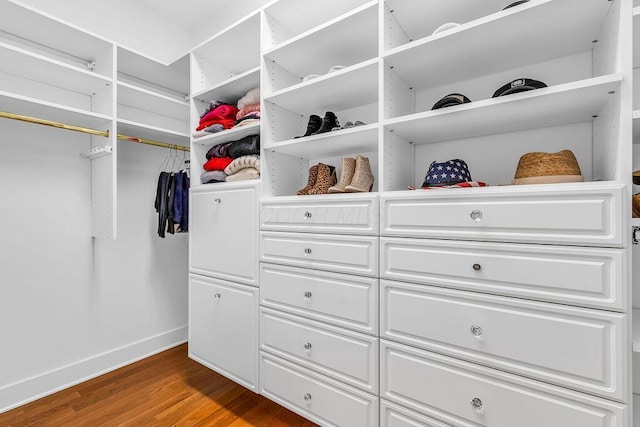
x=314 y=396
x=223 y=328
x=392 y=415
x=585 y=214
x=471 y=395
x=342 y=254
x=578 y=348
x=585 y=277
x=347 y=356
x=222 y=234
x=330 y=215
x=343 y=300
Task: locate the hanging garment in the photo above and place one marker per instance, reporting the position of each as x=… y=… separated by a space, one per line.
x=184 y=217
x=161 y=201
x=171 y=223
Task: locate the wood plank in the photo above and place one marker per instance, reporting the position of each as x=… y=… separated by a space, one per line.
x=167 y=389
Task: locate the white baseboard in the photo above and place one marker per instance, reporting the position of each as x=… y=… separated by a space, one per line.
x=17 y=394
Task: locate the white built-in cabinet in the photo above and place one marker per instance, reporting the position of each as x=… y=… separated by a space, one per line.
x=635 y=222
x=55 y=72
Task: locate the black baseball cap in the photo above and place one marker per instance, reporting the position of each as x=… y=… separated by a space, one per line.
x=519 y=85
x=451 y=100
x=515 y=3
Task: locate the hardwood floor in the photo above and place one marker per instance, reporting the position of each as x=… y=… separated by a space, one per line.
x=167 y=389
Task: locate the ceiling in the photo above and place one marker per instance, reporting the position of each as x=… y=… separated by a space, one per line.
x=164 y=30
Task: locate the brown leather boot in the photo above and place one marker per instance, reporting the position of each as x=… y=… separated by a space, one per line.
x=346 y=175
x=313 y=176
x=326 y=178
x=362 y=178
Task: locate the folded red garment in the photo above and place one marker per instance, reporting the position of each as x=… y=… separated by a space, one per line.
x=221 y=112
x=246 y=110
x=217 y=163
x=227 y=123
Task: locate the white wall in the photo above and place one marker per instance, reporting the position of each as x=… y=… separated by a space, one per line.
x=72 y=306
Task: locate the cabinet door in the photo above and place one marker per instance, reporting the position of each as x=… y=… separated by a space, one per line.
x=223 y=328
x=224 y=234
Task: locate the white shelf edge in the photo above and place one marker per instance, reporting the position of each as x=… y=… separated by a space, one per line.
x=463 y=27
x=636 y=11
x=202 y=188
x=152 y=128
x=320 y=27
x=268 y=97
x=226 y=82
x=226 y=135
x=609 y=78
x=323 y=136
x=152 y=93
x=635 y=332
x=226 y=30
x=56 y=62
x=62 y=107
x=636 y=113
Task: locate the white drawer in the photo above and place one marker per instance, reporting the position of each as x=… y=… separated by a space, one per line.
x=579 y=348
x=343 y=254
x=585 y=277
x=325 y=214
x=392 y=415
x=472 y=395
x=583 y=214
x=343 y=300
x=347 y=356
x=314 y=396
x=223 y=328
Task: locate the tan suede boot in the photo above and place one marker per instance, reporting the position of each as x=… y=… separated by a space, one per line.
x=346 y=175
x=313 y=176
x=326 y=178
x=362 y=178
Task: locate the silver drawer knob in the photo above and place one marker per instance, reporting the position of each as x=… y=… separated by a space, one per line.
x=308 y=214
x=308 y=295
x=307 y=251
x=307 y=397
x=217 y=201
x=476 y=330
x=477 y=267
x=217 y=296
x=307 y=346
x=476 y=215
x=477 y=404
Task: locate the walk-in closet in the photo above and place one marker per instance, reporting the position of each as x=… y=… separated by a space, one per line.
x=350 y=213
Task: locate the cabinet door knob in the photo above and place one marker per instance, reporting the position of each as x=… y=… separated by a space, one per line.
x=476 y=404
x=307 y=251
x=476 y=215
x=477 y=267
x=307 y=397
x=217 y=296
x=217 y=201
x=307 y=346
x=307 y=214
x=308 y=295
x=476 y=330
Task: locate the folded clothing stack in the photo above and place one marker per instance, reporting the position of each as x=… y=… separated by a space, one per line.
x=219 y=116
x=233 y=161
x=248 y=108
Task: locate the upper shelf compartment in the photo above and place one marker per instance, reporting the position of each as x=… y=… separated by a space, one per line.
x=533 y=32
x=227 y=54
x=346 y=40
x=286 y=19
x=636 y=37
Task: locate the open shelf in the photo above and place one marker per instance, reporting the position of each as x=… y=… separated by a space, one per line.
x=636 y=37
x=346 y=40
x=173 y=79
x=504 y=40
x=31 y=107
x=141 y=130
x=340 y=90
x=359 y=139
x=636 y=126
x=147 y=100
x=636 y=329
x=232 y=134
x=43 y=69
x=231 y=90
x=539 y=108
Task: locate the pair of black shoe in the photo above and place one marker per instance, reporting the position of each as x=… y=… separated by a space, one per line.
x=317 y=125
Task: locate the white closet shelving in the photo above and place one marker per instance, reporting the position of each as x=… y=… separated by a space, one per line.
x=635 y=222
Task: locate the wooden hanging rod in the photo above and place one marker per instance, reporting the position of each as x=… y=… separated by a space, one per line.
x=96 y=132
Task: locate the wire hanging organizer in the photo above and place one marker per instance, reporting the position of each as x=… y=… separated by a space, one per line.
x=90 y=131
